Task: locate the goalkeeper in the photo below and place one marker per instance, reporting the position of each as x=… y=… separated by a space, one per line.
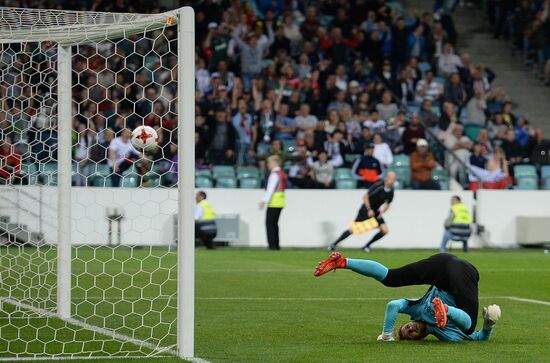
x=449 y=308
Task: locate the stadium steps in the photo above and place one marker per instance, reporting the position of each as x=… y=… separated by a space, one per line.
x=529 y=95
x=18 y=233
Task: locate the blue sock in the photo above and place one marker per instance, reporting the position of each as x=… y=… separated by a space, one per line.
x=368 y=268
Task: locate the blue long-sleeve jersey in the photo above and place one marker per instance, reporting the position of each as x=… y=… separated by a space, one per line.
x=422 y=310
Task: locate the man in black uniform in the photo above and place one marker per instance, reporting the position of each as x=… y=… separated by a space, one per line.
x=376 y=202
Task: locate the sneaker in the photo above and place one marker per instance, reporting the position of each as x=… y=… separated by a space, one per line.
x=331 y=248
x=366 y=249
x=491 y=314
x=333 y=262
x=440 y=311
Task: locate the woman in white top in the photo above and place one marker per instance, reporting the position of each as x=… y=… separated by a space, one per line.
x=382 y=151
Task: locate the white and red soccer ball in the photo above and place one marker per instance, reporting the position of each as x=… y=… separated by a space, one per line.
x=145 y=138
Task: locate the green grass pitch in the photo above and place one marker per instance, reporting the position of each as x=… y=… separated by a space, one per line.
x=266 y=306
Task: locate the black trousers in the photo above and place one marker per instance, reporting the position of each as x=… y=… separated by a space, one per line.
x=446 y=272
x=272 y=227
x=206 y=232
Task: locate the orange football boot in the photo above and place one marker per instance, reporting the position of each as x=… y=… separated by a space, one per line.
x=440 y=311
x=333 y=262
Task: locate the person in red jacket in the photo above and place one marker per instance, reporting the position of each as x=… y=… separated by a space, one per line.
x=10 y=164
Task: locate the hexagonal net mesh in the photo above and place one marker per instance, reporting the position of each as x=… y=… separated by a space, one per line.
x=124 y=204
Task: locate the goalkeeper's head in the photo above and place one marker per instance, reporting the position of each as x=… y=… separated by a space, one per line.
x=413 y=330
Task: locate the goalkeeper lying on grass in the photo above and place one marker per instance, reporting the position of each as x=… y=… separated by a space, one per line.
x=449 y=308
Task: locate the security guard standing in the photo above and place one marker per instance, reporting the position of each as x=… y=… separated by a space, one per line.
x=457 y=224
x=205 y=221
x=274 y=198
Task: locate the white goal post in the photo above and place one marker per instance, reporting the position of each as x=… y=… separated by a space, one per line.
x=67 y=30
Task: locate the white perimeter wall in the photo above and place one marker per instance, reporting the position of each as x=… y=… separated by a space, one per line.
x=312 y=218
x=498 y=210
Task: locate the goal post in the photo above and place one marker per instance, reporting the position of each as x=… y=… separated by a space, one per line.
x=71 y=83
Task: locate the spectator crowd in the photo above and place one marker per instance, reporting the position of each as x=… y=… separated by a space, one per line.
x=335 y=84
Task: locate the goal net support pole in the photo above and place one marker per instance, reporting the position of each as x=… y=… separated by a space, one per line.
x=64 y=157
x=186 y=182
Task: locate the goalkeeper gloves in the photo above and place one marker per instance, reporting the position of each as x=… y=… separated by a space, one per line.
x=491 y=314
x=387 y=337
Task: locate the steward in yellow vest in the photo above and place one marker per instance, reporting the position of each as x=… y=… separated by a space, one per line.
x=205 y=221
x=457 y=224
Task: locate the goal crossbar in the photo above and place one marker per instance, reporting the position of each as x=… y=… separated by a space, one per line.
x=72 y=27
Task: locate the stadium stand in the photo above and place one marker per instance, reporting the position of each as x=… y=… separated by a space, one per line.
x=281 y=78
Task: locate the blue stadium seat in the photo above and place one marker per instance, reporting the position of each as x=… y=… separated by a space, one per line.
x=342 y=174
x=472 y=131
x=223 y=171
x=203 y=172
x=250 y=183
x=424 y=67
x=248 y=172
x=545 y=172
x=350 y=158
x=226 y=182
x=527 y=183
x=202 y=181
x=130 y=180
x=401 y=160
x=289 y=146
x=546 y=183
x=346 y=184
x=442 y=177
x=521 y=171
x=440 y=80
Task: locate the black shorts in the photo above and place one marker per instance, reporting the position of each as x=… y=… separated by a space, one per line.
x=446 y=272
x=363 y=215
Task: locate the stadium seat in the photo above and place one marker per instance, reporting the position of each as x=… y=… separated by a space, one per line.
x=202 y=181
x=289 y=146
x=545 y=172
x=472 y=131
x=346 y=184
x=442 y=177
x=521 y=171
x=401 y=160
x=439 y=80
x=398 y=185
x=226 y=182
x=527 y=183
x=248 y=172
x=350 y=158
x=101 y=176
x=424 y=67
x=403 y=174
x=250 y=183
x=48 y=172
x=342 y=174
x=436 y=110
x=203 y=172
x=546 y=183
x=130 y=180
x=223 y=171
x=413 y=109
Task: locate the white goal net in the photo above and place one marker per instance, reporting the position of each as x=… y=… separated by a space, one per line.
x=88 y=224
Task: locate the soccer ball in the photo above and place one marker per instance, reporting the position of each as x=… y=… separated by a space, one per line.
x=145 y=138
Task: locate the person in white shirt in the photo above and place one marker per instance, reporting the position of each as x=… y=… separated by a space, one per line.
x=122 y=155
x=274 y=198
x=305 y=121
x=373 y=123
x=382 y=151
x=449 y=62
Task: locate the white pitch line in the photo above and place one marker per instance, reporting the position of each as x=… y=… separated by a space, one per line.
x=532 y=301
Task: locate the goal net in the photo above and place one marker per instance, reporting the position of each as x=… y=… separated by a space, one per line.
x=90 y=264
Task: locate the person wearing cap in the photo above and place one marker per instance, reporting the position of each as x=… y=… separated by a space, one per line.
x=422 y=164
x=205 y=220
x=367 y=169
x=275 y=200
